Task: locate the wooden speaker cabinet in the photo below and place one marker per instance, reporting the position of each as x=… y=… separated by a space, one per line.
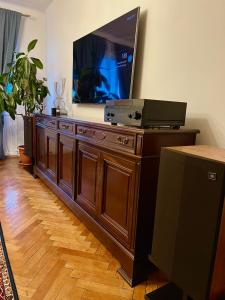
x=107 y=175
x=189 y=231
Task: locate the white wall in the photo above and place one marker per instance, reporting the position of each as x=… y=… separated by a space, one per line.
x=181 y=54
x=31 y=28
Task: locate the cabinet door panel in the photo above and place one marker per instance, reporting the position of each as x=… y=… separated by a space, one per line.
x=88 y=177
x=117 y=197
x=66 y=164
x=40 y=147
x=51 y=154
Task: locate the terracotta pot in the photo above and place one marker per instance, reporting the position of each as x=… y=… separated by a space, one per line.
x=24 y=159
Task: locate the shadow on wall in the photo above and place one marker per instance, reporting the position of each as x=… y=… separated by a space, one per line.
x=140 y=55
x=206 y=135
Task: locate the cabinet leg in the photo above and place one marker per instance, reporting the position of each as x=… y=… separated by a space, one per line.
x=35 y=173
x=137 y=273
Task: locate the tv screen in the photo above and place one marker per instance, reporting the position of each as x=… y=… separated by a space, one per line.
x=103 y=61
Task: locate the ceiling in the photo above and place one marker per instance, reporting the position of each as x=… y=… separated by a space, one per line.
x=34 y=4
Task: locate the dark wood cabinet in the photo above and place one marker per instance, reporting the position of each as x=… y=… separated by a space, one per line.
x=88 y=176
x=51 y=144
x=107 y=175
x=66 y=164
x=40 y=148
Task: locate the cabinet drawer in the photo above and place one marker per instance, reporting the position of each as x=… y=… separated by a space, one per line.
x=40 y=120
x=47 y=122
x=51 y=123
x=121 y=139
x=115 y=140
x=66 y=126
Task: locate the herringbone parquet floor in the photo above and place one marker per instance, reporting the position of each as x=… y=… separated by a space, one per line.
x=52 y=254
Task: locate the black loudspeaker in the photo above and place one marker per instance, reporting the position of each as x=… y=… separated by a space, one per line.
x=189 y=231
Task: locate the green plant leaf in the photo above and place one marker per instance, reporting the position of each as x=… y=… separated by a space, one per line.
x=37 y=62
x=12 y=114
x=9 y=65
x=31 y=45
x=33 y=70
x=19 y=54
x=2 y=107
x=20 y=65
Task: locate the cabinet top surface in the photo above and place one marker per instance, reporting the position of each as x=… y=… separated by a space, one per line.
x=203 y=151
x=103 y=125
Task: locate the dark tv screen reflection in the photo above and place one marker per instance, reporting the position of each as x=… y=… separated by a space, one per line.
x=103 y=61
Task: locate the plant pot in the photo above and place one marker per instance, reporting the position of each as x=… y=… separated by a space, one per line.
x=24 y=159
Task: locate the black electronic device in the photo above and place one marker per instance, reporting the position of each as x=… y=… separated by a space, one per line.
x=189 y=231
x=146 y=113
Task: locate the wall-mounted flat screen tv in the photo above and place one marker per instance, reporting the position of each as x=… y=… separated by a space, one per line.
x=103 y=61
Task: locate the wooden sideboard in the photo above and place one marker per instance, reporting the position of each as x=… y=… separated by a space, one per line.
x=107 y=175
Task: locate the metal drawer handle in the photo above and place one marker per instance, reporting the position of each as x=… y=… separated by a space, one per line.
x=123 y=141
x=40 y=120
x=119 y=139
x=82 y=131
x=51 y=122
x=65 y=126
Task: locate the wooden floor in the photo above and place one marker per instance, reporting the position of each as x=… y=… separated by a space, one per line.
x=52 y=254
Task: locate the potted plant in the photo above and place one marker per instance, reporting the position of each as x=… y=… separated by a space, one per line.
x=20 y=86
